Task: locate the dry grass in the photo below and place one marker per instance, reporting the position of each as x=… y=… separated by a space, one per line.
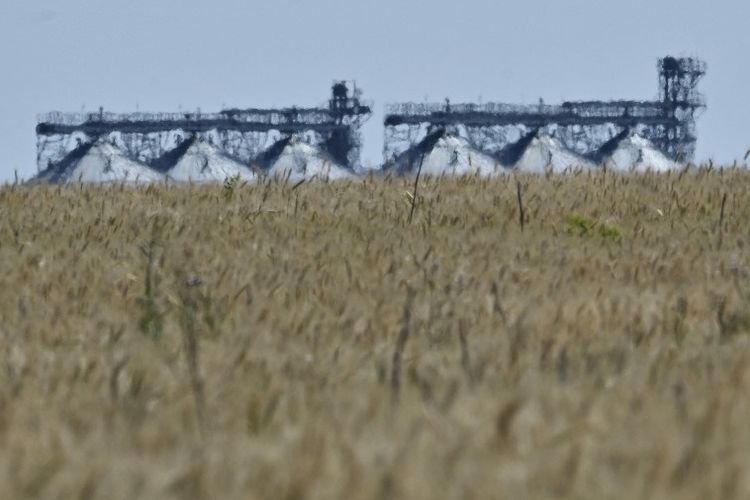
x=268 y=342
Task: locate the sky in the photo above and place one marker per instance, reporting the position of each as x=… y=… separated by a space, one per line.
x=161 y=55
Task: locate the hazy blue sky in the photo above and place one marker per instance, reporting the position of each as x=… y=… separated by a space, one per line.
x=158 y=55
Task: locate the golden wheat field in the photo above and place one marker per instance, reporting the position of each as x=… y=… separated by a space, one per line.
x=311 y=342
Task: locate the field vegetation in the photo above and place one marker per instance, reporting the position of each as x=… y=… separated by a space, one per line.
x=583 y=336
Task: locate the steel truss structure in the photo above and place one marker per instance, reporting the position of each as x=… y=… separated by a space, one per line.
x=243 y=134
x=583 y=126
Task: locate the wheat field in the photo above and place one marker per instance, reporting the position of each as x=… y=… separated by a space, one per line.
x=319 y=341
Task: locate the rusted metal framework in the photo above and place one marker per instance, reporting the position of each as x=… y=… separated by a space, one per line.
x=584 y=126
x=243 y=134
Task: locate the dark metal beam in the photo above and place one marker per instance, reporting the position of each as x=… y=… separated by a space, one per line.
x=96 y=128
